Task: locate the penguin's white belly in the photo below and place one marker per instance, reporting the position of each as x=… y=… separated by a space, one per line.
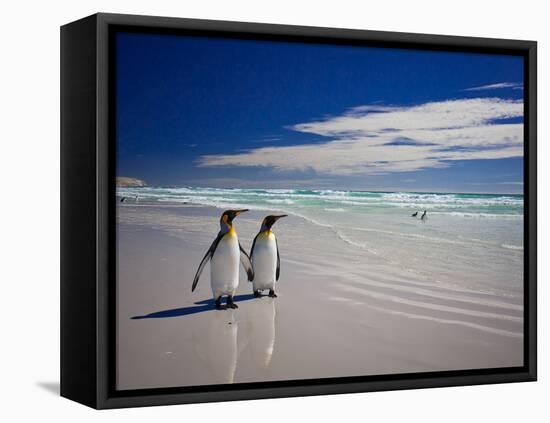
x=264 y=262
x=224 y=269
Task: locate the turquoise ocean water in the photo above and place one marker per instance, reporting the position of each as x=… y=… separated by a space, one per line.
x=458 y=205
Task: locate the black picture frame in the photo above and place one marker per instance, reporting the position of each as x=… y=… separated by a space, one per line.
x=88 y=286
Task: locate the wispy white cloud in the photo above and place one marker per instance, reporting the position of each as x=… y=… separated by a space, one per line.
x=497 y=86
x=381 y=139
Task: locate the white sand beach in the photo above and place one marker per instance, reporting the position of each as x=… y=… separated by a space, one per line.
x=342 y=310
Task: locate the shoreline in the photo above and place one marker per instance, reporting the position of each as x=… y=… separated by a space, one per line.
x=341 y=311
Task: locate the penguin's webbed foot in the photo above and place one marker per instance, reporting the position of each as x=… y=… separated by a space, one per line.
x=272 y=293
x=257 y=294
x=219 y=305
x=230 y=303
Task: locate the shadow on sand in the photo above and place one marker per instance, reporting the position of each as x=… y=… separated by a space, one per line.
x=200 y=307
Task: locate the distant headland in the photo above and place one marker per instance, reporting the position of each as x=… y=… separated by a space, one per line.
x=125 y=181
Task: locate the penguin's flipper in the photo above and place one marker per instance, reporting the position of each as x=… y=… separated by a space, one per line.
x=252 y=252
x=247 y=264
x=278 y=261
x=253 y=244
x=205 y=259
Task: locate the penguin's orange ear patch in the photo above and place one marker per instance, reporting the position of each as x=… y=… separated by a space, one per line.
x=224 y=218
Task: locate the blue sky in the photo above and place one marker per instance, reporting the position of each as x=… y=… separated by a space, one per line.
x=243 y=113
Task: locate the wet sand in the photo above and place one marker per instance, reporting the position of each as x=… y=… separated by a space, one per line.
x=341 y=311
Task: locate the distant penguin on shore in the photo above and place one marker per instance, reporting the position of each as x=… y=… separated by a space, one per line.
x=424 y=216
x=414 y=214
x=122 y=199
x=265 y=258
x=225 y=253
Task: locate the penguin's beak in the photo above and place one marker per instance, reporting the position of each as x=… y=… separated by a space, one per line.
x=275 y=218
x=238 y=212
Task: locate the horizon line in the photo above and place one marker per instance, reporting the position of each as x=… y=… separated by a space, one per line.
x=334 y=189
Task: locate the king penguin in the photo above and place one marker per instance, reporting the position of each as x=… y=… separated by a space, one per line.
x=225 y=253
x=265 y=258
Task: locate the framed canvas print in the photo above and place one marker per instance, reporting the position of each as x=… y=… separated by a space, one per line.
x=255 y=211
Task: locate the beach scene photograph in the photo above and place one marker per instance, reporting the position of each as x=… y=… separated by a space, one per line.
x=289 y=211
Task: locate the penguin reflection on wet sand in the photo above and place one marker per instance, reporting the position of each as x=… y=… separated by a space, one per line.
x=260 y=331
x=414 y=214
x=265 y=258
x=216 y=348
x=225 y=253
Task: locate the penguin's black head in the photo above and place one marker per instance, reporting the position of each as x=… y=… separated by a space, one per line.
x=229 y=215
x=270 y=220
